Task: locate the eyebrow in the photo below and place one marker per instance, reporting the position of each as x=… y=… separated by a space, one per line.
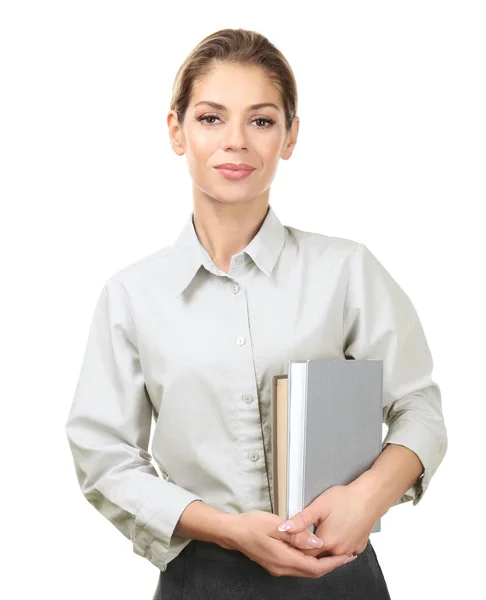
x=252 y=107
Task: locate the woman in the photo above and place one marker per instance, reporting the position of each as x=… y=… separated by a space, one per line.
x=193 y=334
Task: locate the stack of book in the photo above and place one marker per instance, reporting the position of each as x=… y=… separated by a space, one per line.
x=326 y=428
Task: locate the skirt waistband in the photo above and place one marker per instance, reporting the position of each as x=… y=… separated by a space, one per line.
x=213 y=551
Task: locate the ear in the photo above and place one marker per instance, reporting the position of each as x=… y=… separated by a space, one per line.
x=291 y=139
x=176 y=134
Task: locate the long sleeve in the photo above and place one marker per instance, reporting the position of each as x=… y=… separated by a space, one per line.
x=381 y=322
x=108 y=429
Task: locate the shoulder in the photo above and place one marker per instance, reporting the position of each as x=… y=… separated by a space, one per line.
x=322 y=244
x=155 y=265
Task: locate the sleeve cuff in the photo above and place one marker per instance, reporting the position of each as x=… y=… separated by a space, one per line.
x=414 y=436
x=156 y=519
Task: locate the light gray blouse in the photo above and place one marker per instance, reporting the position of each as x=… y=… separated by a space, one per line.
x=176 y=338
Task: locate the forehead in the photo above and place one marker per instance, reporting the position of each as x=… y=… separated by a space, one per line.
x=235 y=86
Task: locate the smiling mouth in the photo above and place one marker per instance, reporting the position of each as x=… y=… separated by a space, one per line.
x=235 y=166
x=234 y=174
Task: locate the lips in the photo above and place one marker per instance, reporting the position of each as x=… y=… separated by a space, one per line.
x=235 y=167
x=234 y=174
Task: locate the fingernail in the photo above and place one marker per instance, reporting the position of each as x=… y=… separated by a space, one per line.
x=350 y=559
x=286 y=526
x=315 y=542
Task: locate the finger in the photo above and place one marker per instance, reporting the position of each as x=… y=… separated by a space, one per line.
x=329 y=563
x=299 y=564
x=317 y=552
x=303 y=540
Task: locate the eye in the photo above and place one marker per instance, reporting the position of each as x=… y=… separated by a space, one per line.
x=267 y=121
x=207 y=117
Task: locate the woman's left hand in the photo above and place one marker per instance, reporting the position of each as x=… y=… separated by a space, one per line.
x=344 y=517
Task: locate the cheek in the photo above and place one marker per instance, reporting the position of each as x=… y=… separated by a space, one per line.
x=269 y=148
x=199 y=142
x=199 y=152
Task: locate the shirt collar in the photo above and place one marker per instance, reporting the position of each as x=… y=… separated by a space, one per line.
x=188 y=255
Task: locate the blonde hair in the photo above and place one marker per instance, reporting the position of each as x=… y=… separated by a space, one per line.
x=239 y=47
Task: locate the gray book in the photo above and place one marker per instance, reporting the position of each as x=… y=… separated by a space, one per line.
x=326 y=428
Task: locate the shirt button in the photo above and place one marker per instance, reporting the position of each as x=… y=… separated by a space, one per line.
x=247 y=398
x=253 y=456
x=239 y=260
x=240 y=341
x=234 y=288
x=148 y=553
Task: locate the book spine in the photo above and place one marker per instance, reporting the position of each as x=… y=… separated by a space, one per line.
x=304 y=432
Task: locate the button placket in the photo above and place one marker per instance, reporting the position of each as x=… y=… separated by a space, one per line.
x=248 y=426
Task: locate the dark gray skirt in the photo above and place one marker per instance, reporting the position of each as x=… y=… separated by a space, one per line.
x=206 y=571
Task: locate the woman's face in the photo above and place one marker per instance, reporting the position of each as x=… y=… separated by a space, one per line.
x=236 y=133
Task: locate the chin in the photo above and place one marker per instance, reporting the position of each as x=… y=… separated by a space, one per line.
x=225 y=199
x=229 y=197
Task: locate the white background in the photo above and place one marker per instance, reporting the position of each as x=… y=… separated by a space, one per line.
x=391 y=152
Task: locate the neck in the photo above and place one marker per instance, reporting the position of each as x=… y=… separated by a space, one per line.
x=226 y=229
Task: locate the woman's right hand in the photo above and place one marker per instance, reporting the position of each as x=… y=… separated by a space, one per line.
x=256 y=534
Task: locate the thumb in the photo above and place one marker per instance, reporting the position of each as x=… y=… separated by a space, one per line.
x=306 y=517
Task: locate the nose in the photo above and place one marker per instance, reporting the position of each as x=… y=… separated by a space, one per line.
x=234 y=136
